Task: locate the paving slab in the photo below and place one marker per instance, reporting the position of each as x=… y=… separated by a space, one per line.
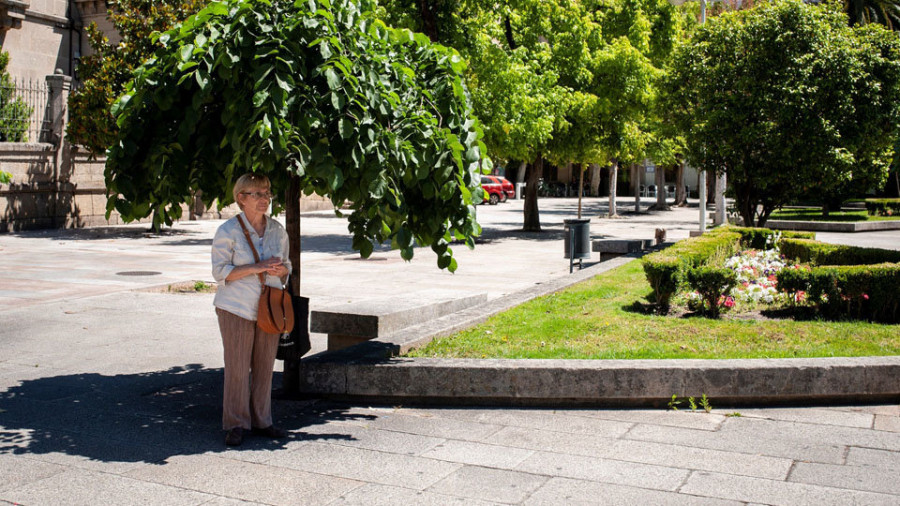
x=502 y=486
x=604 y=471
x=366 y=465
x=583 y=492
x=762 y=442
x=384 y=495
x=245 y=481
x=743 y=488
x=847 y=477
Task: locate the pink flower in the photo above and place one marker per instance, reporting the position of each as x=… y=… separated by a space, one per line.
x=729 y=301
x=865 y=296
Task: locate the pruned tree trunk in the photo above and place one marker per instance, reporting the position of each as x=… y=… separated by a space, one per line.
x=613 y=176
x=636 y=183
x=595 y=179
x=580 y=186
x=720 y=198
x=660 y=181
x=532 y=216
x=520 y=176
x=680 y=195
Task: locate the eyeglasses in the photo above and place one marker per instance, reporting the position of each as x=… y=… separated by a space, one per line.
x=258 y=195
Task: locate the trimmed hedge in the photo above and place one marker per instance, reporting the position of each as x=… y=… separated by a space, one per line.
x=854 y=291
x=758 y=238
x=667 y=270
x=883 y=207
x=818 y=253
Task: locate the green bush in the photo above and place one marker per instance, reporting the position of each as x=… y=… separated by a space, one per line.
x=883 y=207
x=711 y=283
x=14 y=112
x=759 y=238
x=666 y=270
x=818 y=253
x=854 y=291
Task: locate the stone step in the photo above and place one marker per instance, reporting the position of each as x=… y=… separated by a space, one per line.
x=358 y=321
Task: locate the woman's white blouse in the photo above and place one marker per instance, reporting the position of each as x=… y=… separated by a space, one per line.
x=230 y=250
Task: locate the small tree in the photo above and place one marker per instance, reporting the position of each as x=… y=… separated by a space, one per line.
x=785 y=97
x=321 y=98
x=14 y=112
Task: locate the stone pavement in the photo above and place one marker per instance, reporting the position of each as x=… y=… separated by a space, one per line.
x=110 y=389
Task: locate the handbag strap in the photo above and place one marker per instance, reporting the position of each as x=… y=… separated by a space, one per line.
x=262 y=278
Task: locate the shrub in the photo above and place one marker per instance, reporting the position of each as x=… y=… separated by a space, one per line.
x=818 y=253
x=883 y=207
x=759 y=238
x=14 y=112
x=666 y=270
x=712 y=283
x=856 y=291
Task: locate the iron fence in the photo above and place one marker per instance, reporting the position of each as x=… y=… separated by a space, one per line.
x=23 y=110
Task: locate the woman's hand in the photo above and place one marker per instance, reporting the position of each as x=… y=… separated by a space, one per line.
x=273 y=266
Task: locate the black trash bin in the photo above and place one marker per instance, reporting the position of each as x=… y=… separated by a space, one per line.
x=577 y=239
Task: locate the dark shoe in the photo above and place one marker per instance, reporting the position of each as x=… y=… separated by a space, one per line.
x=234 y=437
x=271 y=432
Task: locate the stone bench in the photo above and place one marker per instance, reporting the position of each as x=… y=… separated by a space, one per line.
x=360 y=321
x=621 y=246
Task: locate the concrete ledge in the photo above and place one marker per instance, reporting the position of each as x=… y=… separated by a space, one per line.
x=372 y=371
x=833 y=226
x=604 y=382
x=621 y=246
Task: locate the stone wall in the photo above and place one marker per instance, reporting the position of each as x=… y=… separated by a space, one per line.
x=74 y=196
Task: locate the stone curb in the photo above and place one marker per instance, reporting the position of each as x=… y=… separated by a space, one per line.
x=606 y=382
x=372 y=371
x=833 y=226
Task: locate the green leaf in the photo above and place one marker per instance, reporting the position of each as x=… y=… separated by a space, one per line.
x=334 y=80
x=345 y=126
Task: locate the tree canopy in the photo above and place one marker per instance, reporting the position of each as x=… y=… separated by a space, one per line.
x=317 y=93
x=785 y=97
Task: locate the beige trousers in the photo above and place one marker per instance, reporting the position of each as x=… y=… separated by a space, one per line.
x=249 y=360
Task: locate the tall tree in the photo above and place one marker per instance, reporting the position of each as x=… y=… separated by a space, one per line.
x=786 y=96
x=105 y=72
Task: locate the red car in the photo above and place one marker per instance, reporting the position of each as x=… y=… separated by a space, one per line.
x=497 y=189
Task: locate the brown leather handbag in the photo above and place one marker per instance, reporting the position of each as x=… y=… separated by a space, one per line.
x=276 y=310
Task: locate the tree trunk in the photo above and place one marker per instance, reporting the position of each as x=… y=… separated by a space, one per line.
x=636 y=183
x=520 y=176
x=720 y=198
x=532 y=216
x=613 y=176
x=680 y=194
x=290 y=379
x=595 y=179
x=660 y=181
x=429 y=23
x=580 y=186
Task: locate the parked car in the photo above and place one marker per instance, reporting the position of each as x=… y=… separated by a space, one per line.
x=493 y=190
x=497 y=189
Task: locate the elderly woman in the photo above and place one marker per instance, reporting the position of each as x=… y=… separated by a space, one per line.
x=249 y=352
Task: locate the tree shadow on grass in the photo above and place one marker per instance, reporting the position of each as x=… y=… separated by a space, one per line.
x=143 y=417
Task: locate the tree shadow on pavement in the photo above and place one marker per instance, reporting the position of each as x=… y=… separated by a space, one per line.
x=143 y=417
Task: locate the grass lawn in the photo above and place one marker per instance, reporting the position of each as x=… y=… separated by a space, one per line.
x=599 y=319
x=815 y=214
